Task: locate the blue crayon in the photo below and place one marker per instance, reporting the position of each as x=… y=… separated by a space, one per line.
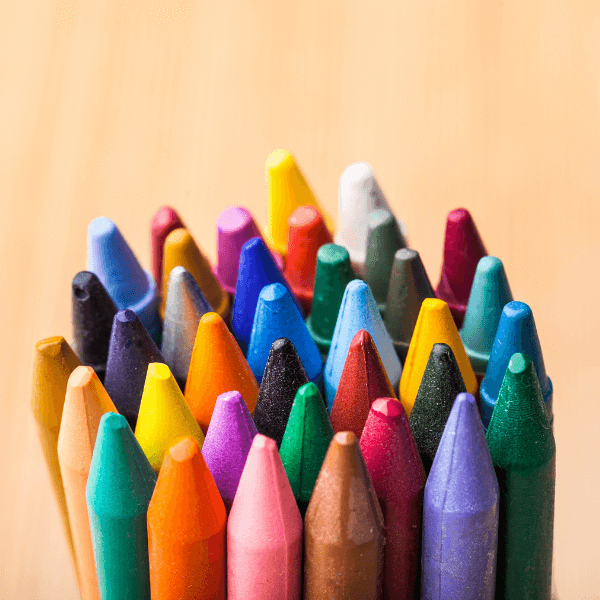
x=119 y=488
x=516 y=334
x=358 y=311
x=277 y=317
x=257 y=268
x=130 y=351
x=461 y=512
x=111 y=259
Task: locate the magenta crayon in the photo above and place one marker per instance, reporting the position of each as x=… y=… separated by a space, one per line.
x=163 y=222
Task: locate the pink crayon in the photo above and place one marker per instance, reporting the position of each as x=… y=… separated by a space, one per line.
x=264 y=531
x=235 y=226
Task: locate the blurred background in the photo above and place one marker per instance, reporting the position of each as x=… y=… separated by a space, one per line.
x=115 y=108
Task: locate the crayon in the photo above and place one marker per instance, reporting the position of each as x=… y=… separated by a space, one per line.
x=130 y=287
x=333 y=274
x=343 y=528
x=93 y=311
x=118 y=492
x=186 y=529
x=256 y=270
x=363 y=380
x=460 y=514
x=277 y=317
x=463 y=249
x=130 y=351
x=523 y=452
x=227 y=443
x=165 y=416
x=434 y=325
x=163 y=222
x=184 y=307
x=358 y=311
x=86 y=401
x=180 y=250
x=305 y=442
x=287 y=189
x=306 y=234
x=235 y=226
x=284 y=375
x=384 y=239
x=217 y=366
x=264 y=531
x=398 y=477
x=409 y=286
x=440 y=385
x=54 y=361
x=516 y=333
x=359 y=195
x=489 y=294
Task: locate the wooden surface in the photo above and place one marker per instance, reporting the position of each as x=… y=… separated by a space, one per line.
x=115 y=108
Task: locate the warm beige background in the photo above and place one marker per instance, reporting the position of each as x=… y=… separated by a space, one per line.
x=114 y=108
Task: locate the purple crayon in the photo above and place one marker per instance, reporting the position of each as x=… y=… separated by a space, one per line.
x=227 y=443
x=235 y=226
x=460 y=512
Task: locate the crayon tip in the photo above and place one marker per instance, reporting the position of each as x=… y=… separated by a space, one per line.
x=180 y=250
x=358 y=311
x=463 y=249
x=516 y=333
x=111 y=259
x=217 y=366
x=164 y=416
x=163 y=222
x=489 y=294
x=184 y=307
x=278 y=317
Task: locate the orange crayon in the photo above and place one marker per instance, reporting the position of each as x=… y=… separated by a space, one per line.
x=186 y=529
x=86 y=401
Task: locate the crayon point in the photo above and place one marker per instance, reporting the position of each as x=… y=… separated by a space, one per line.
x=184 y=307
x=306 y=234
x=434 y=325
x=217 y=366
x=164 y=416
x=305 y=442
x=287 y=189
x=93 y=311
x=463 y=249
x=409 y=285
x=489 y=294
x=363 y=380
x=235 y=226
x=180 y=250
x=278 y=317
x=163 y=222
x=256 y=270
x=384 y=239
x=130 y=287
x=130 y=351
x=516 y=333
x=227 y=443
x=358 y=311
x=284 y=375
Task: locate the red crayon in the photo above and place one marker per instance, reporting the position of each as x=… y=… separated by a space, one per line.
x=163 y=222
x=398 y=477
x=463 y=249
x=306 y=234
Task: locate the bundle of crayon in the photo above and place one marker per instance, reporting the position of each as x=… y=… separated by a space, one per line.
x=303 y=419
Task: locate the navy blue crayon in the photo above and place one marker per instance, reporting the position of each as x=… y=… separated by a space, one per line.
x=130 y=352
x=461 y=512
x=111 y=259
x=119 y=488
x=257 y=268
x=277 y=317
x=516 y=334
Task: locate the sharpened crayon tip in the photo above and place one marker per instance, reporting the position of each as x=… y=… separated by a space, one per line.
x=280 y=159
x=184 y=451
x=387 y=407
x=345 y=438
